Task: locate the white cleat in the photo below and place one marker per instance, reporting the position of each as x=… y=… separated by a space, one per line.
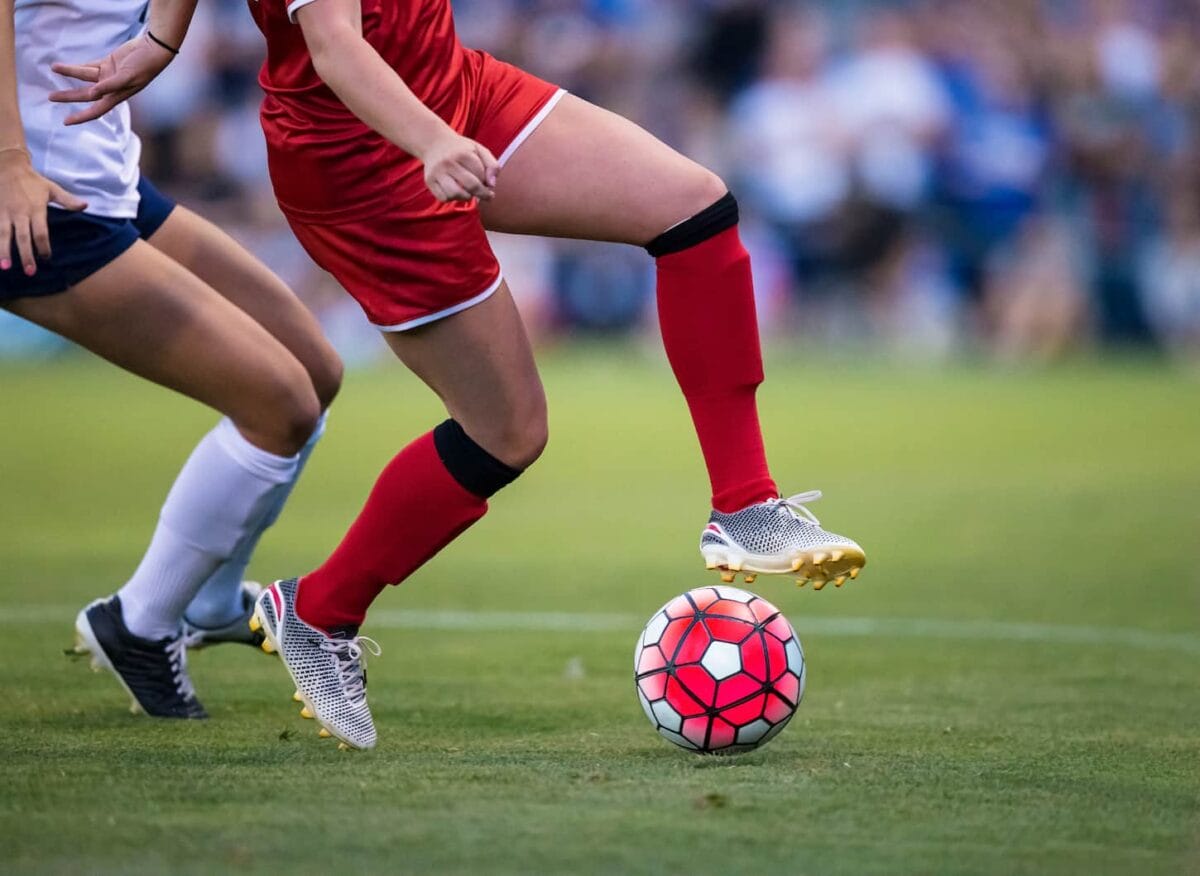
x=236 y=630
x=779 y=537
x=328 y=670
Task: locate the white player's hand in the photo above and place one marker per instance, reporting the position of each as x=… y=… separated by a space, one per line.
x=459 y=169
x=129 y=69
x=24 y=196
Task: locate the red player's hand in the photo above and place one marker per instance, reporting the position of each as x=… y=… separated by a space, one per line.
x=129 y=69
x=24 y=196
x=459 y=169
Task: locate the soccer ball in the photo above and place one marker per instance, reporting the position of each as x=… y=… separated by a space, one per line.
x=719 y=670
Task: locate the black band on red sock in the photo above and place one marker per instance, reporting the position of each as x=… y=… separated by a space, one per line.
x=709 y=222
x=476 y=470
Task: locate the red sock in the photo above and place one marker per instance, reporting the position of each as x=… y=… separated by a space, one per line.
x=415 y=509
x=710 y=331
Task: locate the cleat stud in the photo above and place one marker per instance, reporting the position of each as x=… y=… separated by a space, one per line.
x=255 y=623
x=837 y=555
x=306 y=712
x=854 y=572
x=735 y=565
x=797 y=564
x=727 y=577
x=297 y=698
x=818 y=583
x=819 y=558
x=343 y=746
x=750 y=579
x=800 y=582
x=323 y=733
x=267 y=646
x=839 y=580
x=710 y=564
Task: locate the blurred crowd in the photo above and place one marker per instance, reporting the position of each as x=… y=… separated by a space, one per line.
x=1020 y=177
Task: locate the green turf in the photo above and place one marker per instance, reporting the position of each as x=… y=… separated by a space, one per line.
x=1053 y=500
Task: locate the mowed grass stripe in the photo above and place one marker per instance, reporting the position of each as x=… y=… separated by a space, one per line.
x=568 y=622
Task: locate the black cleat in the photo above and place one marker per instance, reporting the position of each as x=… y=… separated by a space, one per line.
x=237 y=630
x=153 y=673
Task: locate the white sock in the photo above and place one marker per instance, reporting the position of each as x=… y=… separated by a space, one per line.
x=219 y=600
x=223 y=491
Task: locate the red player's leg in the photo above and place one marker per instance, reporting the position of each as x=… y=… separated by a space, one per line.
x=479 y=362
x=588 y=173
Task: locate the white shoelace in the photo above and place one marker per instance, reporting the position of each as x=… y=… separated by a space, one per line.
x=795 y=505
x=351 y=663
x=177 y=656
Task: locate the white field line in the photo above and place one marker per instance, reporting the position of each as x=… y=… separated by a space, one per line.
x=854 y=627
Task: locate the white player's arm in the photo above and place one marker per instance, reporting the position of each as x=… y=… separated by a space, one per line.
x=132 y=66
x=169 y=20
x=456 y=168
x=24 y=193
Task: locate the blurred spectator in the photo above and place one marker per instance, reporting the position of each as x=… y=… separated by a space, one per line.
x=1170 y=276
x=929 y=174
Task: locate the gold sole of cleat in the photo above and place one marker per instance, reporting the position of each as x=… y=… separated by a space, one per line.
x=324 y=734
x=267 y=646
x=818 y=568
x=296 y=698
x=255 y=623
x=306 y=712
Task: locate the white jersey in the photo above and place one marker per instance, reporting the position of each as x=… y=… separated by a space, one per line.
x=96 y=161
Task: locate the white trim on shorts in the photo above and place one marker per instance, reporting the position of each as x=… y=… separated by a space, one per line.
x=531 y=126
x=449 y=311
x=487 y=293
x=294 y=7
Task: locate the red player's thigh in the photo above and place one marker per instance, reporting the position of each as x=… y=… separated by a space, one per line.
x=481 y=365
x=588 y=173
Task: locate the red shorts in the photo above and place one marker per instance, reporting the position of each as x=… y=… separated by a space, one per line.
x=420 y=260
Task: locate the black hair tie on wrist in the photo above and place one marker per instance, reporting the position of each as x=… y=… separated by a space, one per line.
x=157 y=41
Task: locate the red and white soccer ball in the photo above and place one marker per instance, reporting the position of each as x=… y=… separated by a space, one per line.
x=719 y=670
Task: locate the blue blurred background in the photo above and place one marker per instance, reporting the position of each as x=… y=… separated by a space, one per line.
x=1015 y=179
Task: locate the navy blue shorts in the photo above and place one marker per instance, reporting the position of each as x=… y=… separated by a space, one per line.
x=83 y=244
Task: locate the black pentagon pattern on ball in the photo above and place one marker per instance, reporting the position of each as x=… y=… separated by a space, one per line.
x=666 y=668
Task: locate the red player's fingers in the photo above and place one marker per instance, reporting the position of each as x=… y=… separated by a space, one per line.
x=84 y=72
x=454 y=191
x=472 y=182
x=472 y=163
x=458 y=193
x=491 y=167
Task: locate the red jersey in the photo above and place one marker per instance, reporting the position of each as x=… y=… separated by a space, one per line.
x=326 y=165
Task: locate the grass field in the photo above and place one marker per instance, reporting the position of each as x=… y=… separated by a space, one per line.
x=1012 y=686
